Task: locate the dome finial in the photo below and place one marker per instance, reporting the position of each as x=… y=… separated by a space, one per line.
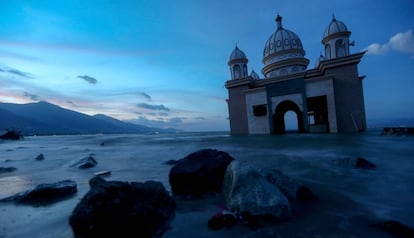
x=333 y=17
x=279 y=21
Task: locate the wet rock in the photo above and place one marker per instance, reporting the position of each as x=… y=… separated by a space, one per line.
x=247 y=191
x=305 y=194
x=199 y=173
x=44 y=194
x=7 y=169
x=220 y=221
x=123 y=209
x=40 y=157
x=396 y=228
x=12 y=135
x=362 y=163
x=85 y=163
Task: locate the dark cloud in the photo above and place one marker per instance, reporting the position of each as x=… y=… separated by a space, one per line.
x=88 y=79
x=33 y=97
x=153 y=107
x=16 y=72
x=145 y=95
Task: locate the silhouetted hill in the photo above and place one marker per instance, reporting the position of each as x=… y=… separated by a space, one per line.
x=43 y=118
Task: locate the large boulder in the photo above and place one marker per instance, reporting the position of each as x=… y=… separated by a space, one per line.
x=199 y=173
x=123 y=209
x=247 y=191
x=293 y=190
x=44 y=194
x=11 y=134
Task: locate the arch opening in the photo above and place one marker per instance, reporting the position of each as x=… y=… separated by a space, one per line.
x=288 y=109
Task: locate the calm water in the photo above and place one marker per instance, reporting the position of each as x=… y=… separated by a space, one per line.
x=349 y=199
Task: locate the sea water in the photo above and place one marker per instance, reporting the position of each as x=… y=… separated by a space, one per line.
x=349 y=199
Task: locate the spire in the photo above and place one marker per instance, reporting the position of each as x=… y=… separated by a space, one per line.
x=279 y=21
x=333 y=17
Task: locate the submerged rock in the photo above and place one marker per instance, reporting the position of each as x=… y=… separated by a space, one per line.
x=44 y=194
x=123 y=209
x=12 y=135
x=199 y=173
x=246 y=190
x=85 y=163
x=40 y=157
x=7 y=169
x=362 y=163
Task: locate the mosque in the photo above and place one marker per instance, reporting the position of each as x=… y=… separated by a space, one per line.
x=326 y=99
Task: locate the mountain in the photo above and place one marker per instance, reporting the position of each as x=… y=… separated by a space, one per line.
x=44 y=118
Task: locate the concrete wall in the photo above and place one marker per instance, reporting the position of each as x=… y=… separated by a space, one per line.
x=237 y=110
x=257 y=124
x=323 y=87
x=349 y=98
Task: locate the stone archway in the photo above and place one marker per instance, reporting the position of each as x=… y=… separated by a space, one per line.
x=279 y=117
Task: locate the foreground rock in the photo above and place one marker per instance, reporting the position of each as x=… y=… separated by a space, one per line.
x=40 y=157
x=199 y=173
x=396 y=228
x=247 y=191
x=123 y=209
x=85 y=163
x=44 y=194
x=7 y=169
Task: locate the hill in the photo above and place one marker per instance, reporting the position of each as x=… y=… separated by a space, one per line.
x=44 y=118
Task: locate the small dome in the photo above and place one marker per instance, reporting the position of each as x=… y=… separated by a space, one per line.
x=282 y=40
x=335 y=27
x=237 y=54
x=254 y=75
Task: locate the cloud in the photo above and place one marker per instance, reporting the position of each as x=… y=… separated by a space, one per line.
x=16 y=72
x=88 y=79
x=401 y=42
x=153 y=107
x=33 y=97
x=147 y=96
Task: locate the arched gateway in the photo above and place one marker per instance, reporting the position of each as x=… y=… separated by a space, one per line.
x=279 y=117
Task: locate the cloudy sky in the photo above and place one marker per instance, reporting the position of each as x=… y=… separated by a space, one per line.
x=164 y=63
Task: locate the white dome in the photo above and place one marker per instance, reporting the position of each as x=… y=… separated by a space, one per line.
x=237 y=54
x=335 y=27
x=282 y=40
x=254 y=75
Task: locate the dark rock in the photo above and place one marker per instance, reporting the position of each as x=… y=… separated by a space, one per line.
x=11 y=135
x=199 y=173
x=85 y=163
x=40 y=157
x=396 y=228
x=123 y=209
x=362 y=163
x=304 y=194
x=44 y=194
x=7 y=169
x=171 y=162
x=222 y=220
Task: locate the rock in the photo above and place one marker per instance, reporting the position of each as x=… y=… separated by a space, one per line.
x=362 y=163
x=40 y=157
x=293 y=190
x=85 y=163
x=246 y=190
x=123 y=209
x=171 y=162
x=7 y=169
x=11 y=135
x=199 y=173
x=359 y=163
x=222 y=220
x=44 y=194
x=396 y=228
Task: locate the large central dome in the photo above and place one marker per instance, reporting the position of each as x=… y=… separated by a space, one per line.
x=283 y=52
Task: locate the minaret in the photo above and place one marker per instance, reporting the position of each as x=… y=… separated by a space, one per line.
x=238 y=64
x=336 y=39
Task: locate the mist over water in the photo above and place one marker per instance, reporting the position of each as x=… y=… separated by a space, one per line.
x=349 y=198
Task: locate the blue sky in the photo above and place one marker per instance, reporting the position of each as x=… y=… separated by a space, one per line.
x=164 y=63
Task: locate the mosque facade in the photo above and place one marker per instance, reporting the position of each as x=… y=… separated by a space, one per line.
x=326 y=99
